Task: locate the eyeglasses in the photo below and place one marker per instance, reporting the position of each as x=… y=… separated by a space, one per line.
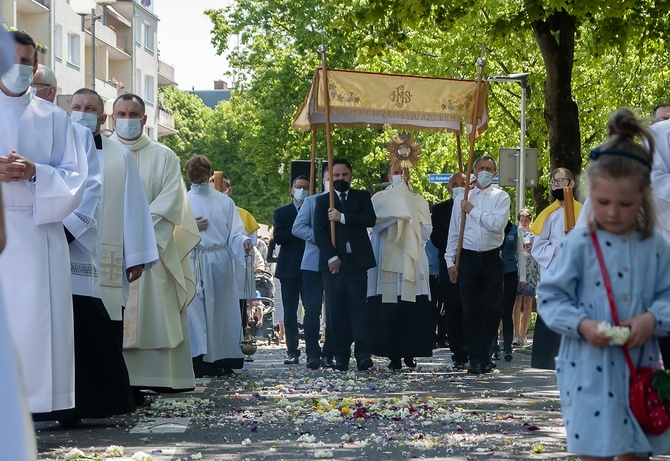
x=558 y=181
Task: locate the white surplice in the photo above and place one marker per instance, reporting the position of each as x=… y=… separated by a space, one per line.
x=547 y=243
x=660 y=176
x=128 y=237
x=215 y=319
x=35 y=266
x=84 y=224
x=156 y=337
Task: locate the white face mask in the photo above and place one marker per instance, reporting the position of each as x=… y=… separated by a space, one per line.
x=86 y=119
x=456 y=191
x=300 y=194
x=18 y=78
x=326 y=186
x=396 y=179
x=484 y=178
x=128 y=128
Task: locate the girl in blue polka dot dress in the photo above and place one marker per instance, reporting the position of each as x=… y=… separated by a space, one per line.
x=592 y=374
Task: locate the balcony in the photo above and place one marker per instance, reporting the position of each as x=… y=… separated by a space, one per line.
x=165 y=74
x=165 y=123
x=33 y=6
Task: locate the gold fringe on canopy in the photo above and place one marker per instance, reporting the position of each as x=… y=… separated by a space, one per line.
x=402 y=101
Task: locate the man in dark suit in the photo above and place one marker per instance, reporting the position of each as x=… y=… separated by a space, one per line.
x=344 y=266
x=288 y=265
x=453 y=310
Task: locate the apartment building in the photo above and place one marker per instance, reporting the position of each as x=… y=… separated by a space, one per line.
x=107 y=45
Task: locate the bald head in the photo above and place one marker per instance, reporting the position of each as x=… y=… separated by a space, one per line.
x=45 y=83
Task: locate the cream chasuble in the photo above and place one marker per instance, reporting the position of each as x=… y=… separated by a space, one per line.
x=156 y=342
x=127 y=229
x=35 y=265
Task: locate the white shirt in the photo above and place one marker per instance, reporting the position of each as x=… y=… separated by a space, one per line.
x=484 y=225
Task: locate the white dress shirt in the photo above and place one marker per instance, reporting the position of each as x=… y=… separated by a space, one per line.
x=484 y=225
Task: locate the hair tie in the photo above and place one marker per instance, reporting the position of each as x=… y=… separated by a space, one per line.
x=595 y=153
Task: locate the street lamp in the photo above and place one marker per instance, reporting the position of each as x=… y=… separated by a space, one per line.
x=84 y=8
x=521 y=79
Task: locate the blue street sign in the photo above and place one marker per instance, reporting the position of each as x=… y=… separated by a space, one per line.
x=442 y=178
x=438 y=178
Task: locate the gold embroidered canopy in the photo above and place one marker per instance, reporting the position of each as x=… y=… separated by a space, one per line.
x=366 y=99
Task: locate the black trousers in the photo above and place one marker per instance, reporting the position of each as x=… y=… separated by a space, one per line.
x=436 y=304
x=510 y=285
x=312 y=284
x=347 y=314
x=480 y=277
x=453 y=315
x=291 y=290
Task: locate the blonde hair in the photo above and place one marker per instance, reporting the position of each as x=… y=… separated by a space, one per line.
x=622 y=157
x=524 y=212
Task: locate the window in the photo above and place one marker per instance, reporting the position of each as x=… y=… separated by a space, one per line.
x=138 y=83
x=138 y=32
x=58 y=42
x=149 y=95
x=73 y=50
x=148 y=38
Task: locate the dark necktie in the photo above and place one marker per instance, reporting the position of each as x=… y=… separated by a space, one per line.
x=343 y=199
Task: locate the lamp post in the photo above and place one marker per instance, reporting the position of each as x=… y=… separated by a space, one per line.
x=522 y=80
x=84 y=8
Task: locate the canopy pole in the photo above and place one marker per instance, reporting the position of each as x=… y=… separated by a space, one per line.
x=312 y=165
x=329 y=147
x=459 y=149
x=473 y=136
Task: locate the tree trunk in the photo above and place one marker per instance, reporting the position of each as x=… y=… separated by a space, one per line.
x=556 y=39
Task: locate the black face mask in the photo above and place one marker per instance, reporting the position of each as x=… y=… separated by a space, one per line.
x=341 y=185
x=558 y=194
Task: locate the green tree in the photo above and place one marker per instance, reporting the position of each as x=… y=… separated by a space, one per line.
x=191 y=117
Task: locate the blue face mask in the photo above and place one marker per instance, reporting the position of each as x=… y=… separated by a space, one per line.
x=456 y=191
x=200 y=188
x=128 y=128
x=86 y=119
x=18 y=78
x=484 y=178
x=300 y=195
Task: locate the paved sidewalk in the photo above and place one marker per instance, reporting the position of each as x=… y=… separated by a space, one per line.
x=271 y=411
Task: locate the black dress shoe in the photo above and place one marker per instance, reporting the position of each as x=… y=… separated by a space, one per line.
x=410 y=362
x=508 y=356
x=456 y=365
x=365 y=364
x=474 y=369
x=312 y=364
x=292 y=360
x=341 y=366
x=327 y=362
x=394 y=364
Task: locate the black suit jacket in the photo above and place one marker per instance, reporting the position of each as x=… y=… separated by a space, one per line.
x=292 y=248
x=440 y=218
x=359 y=215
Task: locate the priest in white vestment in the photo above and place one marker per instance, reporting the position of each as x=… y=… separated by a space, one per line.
x=214 y=316
x=402 y=320
x=18 y=438
x=156 y=337
x=128 y=240
x=42 y=171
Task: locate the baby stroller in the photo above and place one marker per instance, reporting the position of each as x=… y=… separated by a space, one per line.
x=261 y=309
